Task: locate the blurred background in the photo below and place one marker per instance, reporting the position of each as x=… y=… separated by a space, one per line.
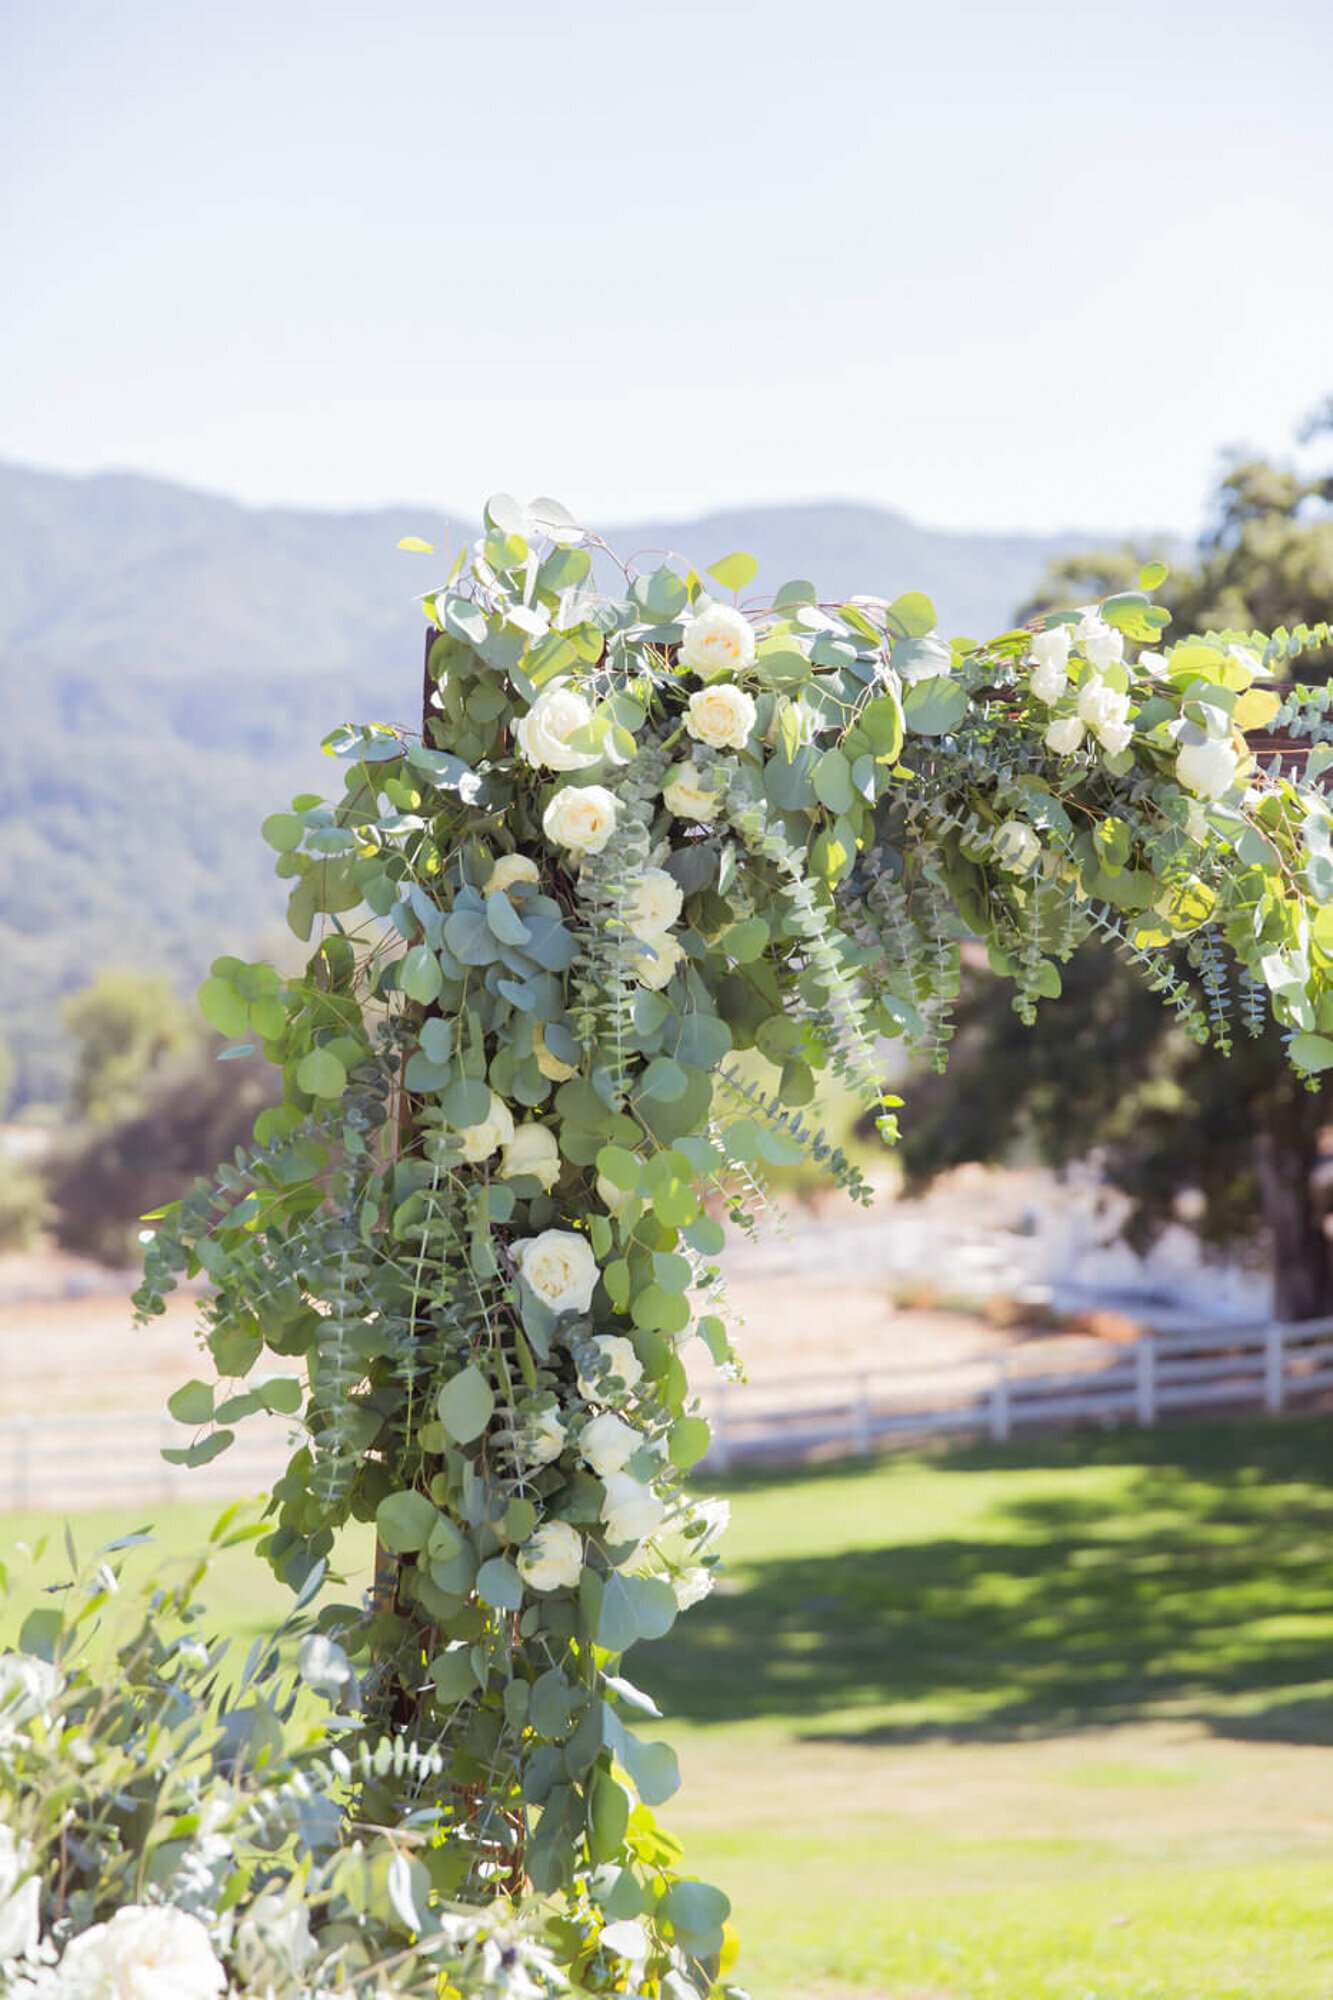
x=990 y=303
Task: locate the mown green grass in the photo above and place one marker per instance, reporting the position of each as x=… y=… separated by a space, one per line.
x=1047 y=1722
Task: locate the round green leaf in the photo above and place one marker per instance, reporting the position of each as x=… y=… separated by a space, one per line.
x=321 y=1074
x=404 y=1522
x=465 y=1404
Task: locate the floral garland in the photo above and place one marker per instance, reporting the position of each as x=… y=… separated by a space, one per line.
x=647 y=830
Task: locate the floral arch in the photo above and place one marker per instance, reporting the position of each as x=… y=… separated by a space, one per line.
x=644 y=828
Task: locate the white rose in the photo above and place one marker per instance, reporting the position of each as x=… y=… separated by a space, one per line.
x=1155 y=665
x=1102 y=645
x=543 y=733
x=686 y=794
x=717 y=640
x=532 y=1150
x=721 y=716
x=654 y=966
x=1115 y=737
x=1050 y=649
x=1048 y=683
x=612 y=1198
x=20 y=1916
x=552 y=1559
x=630 y=1510
x=495 y=1130
x=510 y=870
x=608 y=1444
x=143 y=1953
x=1196 y=822
x=543 y=1438
x=691 y=1586
x=1016 y=846
x=550 y=1066
x=615 y=1356
x=1208 y=768
x=1049 y=655
x=1104 y=709
x=580 y=817
x=560 y=1268
x=653 y=904
x=1063 y=735
x=272 y=1937
x=28 y=1686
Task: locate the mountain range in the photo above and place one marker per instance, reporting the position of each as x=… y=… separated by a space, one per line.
x=170 y=660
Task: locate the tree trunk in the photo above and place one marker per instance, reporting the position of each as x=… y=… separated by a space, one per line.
x=1296 y=1182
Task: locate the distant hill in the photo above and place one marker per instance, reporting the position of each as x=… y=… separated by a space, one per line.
x=170 y=660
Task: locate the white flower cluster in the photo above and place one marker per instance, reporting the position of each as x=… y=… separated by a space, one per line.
x=1101 y=708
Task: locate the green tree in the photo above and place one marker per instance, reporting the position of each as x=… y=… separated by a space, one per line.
x=126 y=1026
x=1110 y=1070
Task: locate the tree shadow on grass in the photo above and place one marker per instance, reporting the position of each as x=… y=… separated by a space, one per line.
x=1204 y=1589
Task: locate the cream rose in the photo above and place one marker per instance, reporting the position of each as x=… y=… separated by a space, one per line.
x=559 y=1267
x=552 y=1559
x=20 y=1901
x=543 y=733
x=653 y=904
x=1016 y=846
x=630 y=1510
x=580 y=817
x=721 y=716
x=1102 y=645
x=1105 y=710
x=717 y=640
x=608 y=1444
x=543 y=1438
x=612 y=1198
x=1208 y=768
x=1063 y=735
x=687 y=795
x=495 y=1130
x=532 y=1150
x=654 y=966
x=509 y=871
x=143 y=1953
x=614 y=1356
x=550 y=1066
x=1049 y=654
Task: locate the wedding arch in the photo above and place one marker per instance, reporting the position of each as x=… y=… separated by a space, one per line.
x=647 y=827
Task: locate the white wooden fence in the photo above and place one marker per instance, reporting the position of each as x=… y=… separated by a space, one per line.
x=73 y=1462
x=1269 y=1367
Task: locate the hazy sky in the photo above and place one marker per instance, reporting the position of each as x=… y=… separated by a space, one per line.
x=1028 y=265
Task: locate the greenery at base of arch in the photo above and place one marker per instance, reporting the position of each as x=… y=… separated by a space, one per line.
x=650 y=830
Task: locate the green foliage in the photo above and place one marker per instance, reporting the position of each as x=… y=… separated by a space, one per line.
x=641 y=835
x=194 y=1110
x=1109 y=1072
x=125 y=1026
x=142 y=1766
x=24 y=1208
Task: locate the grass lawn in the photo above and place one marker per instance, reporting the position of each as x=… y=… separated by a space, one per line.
x=1046 y=1722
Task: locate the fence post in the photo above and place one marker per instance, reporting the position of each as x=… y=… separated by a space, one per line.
x=1275 y=1384
x=1145 y=1380
x=167 y=1435
x=20 y=1487
x=861 y=1418
x=721 y=1447
x=999 y=1400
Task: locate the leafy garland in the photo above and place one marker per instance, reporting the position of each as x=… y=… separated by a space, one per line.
x=645 y=830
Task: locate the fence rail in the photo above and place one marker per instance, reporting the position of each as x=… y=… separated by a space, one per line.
x=1267 y=1367
x=103 y=1459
